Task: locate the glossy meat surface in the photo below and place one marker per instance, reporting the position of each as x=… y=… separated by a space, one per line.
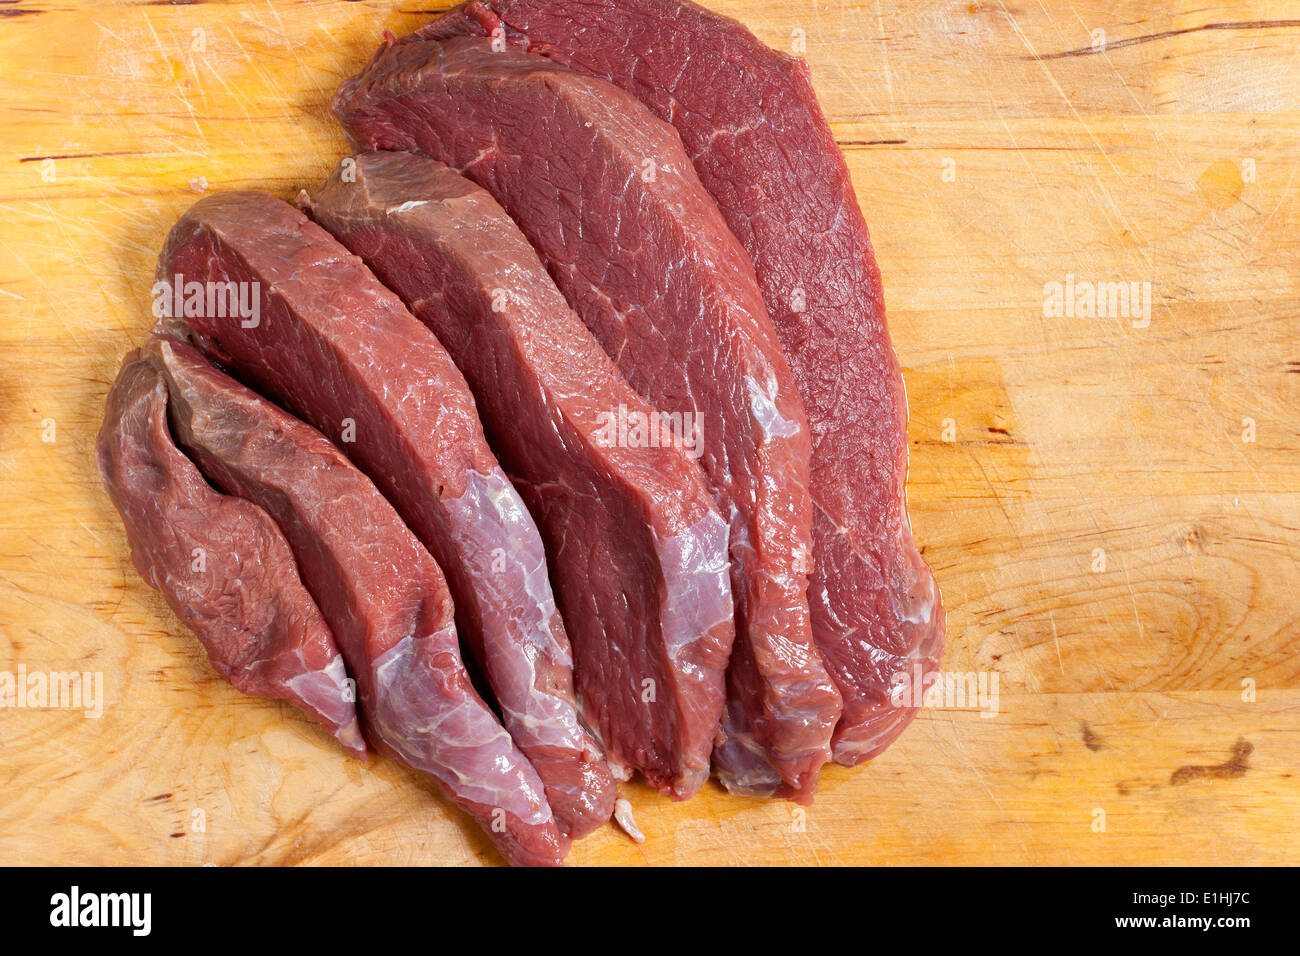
x=383 y=595
x=605 y=193
x=336 y=347
x=636 y=548
x=221 y=563
x=750 y=121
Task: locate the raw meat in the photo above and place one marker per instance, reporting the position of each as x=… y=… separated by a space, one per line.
x=333 y=345
x=382 y=593
x=636 y=548
x=605 y=193
x=751 y=124
x=220 y=562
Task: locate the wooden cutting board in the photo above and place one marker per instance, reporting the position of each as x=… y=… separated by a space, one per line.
x=1110 y=501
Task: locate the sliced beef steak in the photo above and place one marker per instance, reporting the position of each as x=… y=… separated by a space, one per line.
x=382 y=593
x=605 y=193
x=750 y=122
x=332 y=344
x=219 y=561
x=636 y=548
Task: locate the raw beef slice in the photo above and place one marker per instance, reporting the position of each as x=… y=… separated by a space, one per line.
x=220 y=562
x=750 y=122
x=605 y=193
x=636 y=548
x=381 y=592
x=340 y=350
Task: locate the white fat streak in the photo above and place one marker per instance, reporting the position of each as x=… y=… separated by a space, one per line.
x=419 y=714
x=919 y=608
x=623 y=817
x=921 y=618
x=324 y=690
x=742 y=765
x=494 y=526
x=516 y=535
x=762 y=405
x=698 y=579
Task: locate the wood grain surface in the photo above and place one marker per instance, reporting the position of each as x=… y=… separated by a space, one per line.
x=1111 y=503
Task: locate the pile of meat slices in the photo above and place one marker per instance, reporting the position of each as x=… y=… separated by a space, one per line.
x=556 y=438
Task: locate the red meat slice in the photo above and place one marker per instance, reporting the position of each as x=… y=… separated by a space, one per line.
x=605 y=193
x=382 y=593
x=750 y=121
x=636 y=548
x=220 y=562
x=336 y=347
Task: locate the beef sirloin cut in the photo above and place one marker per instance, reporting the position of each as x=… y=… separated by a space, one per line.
x=605 y=193
x=221 y=562
x=750 y=121
x=380 y=590
x=636 y=548
x=335 y=346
